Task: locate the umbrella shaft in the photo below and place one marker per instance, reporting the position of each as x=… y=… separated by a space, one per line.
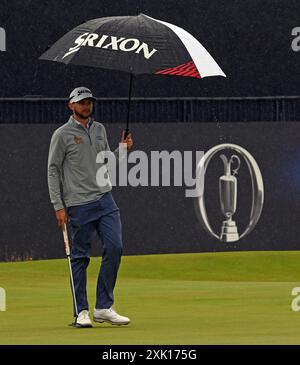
x=129 y=102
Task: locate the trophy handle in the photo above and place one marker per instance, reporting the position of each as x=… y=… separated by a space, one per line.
x=232 y=158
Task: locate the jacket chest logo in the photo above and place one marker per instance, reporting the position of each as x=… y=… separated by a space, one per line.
x=78 y=140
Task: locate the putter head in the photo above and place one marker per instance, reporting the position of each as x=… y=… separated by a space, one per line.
x=74 y=324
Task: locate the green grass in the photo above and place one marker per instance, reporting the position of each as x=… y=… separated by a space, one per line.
x=208 y=298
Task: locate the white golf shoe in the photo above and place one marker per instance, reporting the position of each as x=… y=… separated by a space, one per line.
x=83 y=320
x=110 y=316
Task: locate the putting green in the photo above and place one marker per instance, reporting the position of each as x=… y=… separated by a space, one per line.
x=208 y=298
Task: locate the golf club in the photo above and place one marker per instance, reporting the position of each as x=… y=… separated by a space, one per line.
x=68 y=254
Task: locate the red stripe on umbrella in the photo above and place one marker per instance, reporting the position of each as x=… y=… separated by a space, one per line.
x=186 y=69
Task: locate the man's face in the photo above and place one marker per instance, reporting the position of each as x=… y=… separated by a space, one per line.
x=82 y=108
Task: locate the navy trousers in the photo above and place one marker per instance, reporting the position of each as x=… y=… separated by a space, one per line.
x=102 y=216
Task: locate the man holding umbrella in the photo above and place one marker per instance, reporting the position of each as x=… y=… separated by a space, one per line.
x=88 y=207
x=134 y=44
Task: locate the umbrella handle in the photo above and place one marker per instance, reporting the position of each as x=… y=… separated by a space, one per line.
x=126 y=132
x=129 y=105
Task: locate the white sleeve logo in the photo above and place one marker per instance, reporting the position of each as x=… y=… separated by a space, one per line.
x=2 y=300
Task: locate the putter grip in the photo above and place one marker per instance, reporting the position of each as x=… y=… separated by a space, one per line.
x=66 y=241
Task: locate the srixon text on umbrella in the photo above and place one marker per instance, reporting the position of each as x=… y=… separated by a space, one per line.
x=111 y=42
x=2 y=40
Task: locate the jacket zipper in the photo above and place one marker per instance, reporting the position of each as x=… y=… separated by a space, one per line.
x=87 y=132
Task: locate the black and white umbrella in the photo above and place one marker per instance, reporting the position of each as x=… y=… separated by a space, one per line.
x=135 y=44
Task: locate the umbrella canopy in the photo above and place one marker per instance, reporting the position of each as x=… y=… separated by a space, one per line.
x=135 y=44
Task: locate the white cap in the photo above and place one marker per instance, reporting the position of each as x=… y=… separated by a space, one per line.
x=80 y=93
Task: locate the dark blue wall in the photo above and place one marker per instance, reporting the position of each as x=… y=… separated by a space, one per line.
x=155 y=219
x=252 y=42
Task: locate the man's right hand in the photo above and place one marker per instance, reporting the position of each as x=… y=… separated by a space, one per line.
x=62 y=217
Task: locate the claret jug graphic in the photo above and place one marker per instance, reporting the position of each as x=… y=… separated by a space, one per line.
x=228 y=191
x=228 y=198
